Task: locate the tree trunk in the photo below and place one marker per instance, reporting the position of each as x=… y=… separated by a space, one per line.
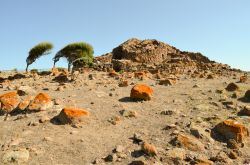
x=69 y=65
x=54 y=64
x=27 y=68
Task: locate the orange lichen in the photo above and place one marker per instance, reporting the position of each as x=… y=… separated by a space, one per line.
x=149 y=149
x=9 y=95
x=231 y=129
x=243 y=79
x=189 y=143
x=72 y=115
x=141 y=91
x=113 y=73
x=41 y=98
x=41 y=102
x=75 y=112
x=9 y=101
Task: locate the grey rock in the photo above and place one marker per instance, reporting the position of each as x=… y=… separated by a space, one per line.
x=119 y=149
x=128 y=113
x=25 y=90
x=19 y=156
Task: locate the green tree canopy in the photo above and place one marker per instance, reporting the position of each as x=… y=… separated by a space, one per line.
x=76 y=53
x=37 y=51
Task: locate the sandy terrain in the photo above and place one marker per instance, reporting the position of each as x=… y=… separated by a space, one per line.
x=191 y=106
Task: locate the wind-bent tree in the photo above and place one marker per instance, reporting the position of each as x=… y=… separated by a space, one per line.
x=77 y=54
x=37 y=51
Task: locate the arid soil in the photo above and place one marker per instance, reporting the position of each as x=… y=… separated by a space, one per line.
x=191 y=108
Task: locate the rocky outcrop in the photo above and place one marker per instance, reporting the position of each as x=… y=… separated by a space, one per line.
x=143 y=51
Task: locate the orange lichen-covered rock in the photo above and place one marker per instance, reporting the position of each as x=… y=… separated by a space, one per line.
x=231 y=129
x=232 y=87
x=9 y=101
x=149 y=149
x=41 y=102
x=243 y=79
x=25 y=103
x=72 y=115
x=188 y=142
x=142 y=92
x=113 y=73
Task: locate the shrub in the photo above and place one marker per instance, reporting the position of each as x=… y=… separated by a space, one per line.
x=37 y=51
x=78 y=54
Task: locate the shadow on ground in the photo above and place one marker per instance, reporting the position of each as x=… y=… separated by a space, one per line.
x=244 y=100
x=129 y=99
x=217 y=136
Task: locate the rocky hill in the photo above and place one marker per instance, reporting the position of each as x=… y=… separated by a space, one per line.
x=136 y=54
x=149 y=52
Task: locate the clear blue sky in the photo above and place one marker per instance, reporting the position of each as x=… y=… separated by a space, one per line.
x=220 y=29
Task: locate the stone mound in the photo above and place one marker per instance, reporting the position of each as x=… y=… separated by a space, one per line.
x=135 y=54
x=143 y=51
x=149 y=52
